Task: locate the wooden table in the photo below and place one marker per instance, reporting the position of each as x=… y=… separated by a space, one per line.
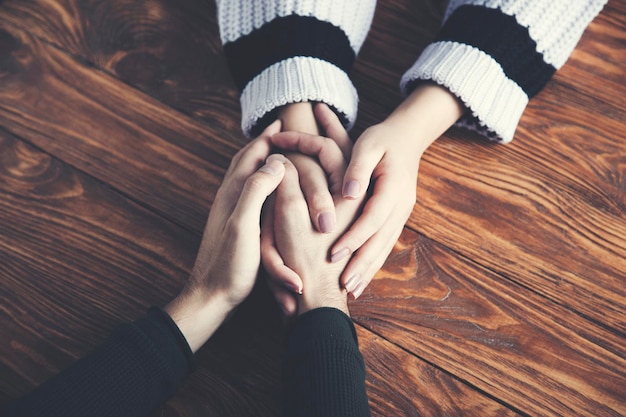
x=505 y=294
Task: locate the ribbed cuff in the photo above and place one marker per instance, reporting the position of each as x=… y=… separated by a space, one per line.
x=496 y=102
x=295 y=80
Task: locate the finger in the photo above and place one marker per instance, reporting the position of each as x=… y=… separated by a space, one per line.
x=285 y=299
x=326 y=150
x=270 y=257
x=359 y=172
x=291 y=212
x=252 y=156
x=333 y=128
x=315 y=189
x=256 y=189
x=369 y=259
x=290 y=203
x=272 y=128
x=375 y=214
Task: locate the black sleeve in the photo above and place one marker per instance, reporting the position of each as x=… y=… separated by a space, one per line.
x=323 y=370
x=138 y=368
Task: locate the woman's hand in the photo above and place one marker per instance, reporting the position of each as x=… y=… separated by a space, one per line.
x=386 y=157
x=317 y=183
x=229 y=257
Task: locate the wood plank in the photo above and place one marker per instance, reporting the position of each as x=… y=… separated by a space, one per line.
x=66 y=241
x=551 y=217
x=83 y=258
x=457 y=206
x=400 y=31
x=169 y=49
x=507 y=341
x=399 y=384
x=596 y=67
x=116 y=134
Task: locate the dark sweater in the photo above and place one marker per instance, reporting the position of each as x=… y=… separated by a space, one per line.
x=142 y=364
x=323 y=370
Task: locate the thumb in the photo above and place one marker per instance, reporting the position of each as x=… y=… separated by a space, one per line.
x=359 y=172
x=257 y=188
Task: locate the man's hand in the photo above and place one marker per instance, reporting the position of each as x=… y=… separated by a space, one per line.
x=310 y=154
x=304 y=250
x=229 y=257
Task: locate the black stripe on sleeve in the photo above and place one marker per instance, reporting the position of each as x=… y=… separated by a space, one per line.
x=500 y=36
x=283 y=38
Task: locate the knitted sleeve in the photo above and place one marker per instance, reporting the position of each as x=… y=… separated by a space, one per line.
x=496 y=54
x=287 y=51
x=137 y=369
x=323 y=370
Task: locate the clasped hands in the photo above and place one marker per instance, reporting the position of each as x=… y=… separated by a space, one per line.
x=308 y=229
x=229 y=257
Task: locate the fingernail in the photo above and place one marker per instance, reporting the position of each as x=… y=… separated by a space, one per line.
x=358 y=290
x=352 y=282
x=293 y=287
x=269 y=169
x=351 y=189
x=326 y=221
x=276 y=157
x=339 y=255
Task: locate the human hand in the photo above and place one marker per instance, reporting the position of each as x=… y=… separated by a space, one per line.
x=305 y=251
x=229 y=257
x=387 y=155
x=326 y=155
x=316 y=181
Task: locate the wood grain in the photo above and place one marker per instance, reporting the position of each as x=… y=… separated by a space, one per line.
x=548 y=213
x=399 y=384
x=595 y=68
x=118 y=122
x=83 y=259
x=65 y=241
x=502 y=338
x=169 y=49
x=116 y=134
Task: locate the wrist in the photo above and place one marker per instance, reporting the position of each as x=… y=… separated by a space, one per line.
x=198 y=315
x=298 y=117
x=311 y=300
x=425 y=115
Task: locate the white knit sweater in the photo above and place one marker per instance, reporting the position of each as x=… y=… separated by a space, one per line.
x=493 y=54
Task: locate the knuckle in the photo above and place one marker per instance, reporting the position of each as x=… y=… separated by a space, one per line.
x=292 y=204
x=320 y=200
x=329 y=144
x=356 y=240
x=253 y=183
x=233 y=227
x=375 y=219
